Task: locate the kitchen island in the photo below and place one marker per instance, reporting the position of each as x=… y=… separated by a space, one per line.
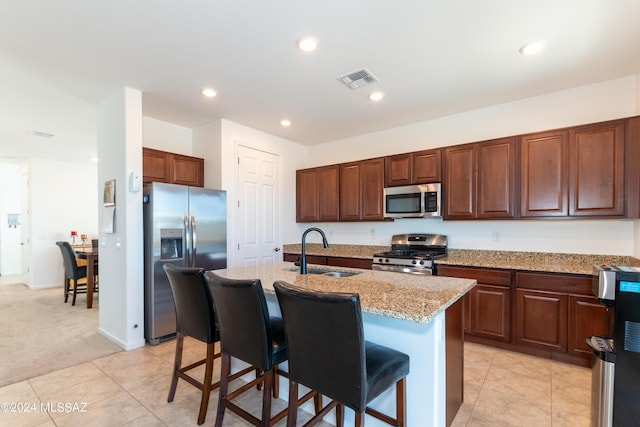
x=412 y=314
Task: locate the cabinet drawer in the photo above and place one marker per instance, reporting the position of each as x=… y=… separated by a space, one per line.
x=482 y=275
x=365 y=264
x=572 y=284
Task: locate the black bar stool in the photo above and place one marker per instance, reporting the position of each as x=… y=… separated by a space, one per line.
x=196 y=318
x=249 y=334
x=328 y=354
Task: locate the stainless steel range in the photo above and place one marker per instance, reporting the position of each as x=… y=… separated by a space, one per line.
x=411 y=253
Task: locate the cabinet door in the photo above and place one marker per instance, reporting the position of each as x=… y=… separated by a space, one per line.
x=496 y=179
x=487 y=307
x=350 y=184
x=460 y=182
x=541 y=319
x=328 y=193
x=426 y=166
x=186 y=170
x=398 y=170
x=155 y=165
x=490 y=312
x=544 y=174
x=372 y=180
x=587 y=317
x=596 y=173
x=307 y=195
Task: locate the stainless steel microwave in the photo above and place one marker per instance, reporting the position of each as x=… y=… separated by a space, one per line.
x=413 y=201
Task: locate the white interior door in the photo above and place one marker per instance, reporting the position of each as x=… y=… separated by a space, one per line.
x=258 y=207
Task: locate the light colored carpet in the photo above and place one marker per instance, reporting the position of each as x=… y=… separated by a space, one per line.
x=39 y=333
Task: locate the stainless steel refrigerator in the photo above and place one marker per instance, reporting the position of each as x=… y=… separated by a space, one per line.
x=185 y=226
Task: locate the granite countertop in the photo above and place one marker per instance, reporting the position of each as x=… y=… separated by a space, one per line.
x=533 y=261
x=395 y=295
x=510 y=260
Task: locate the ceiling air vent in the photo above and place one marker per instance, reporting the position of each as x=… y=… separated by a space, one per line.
x=41 y=134
x=358 y=78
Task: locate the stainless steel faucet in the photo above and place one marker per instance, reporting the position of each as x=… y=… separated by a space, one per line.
x=303 y=257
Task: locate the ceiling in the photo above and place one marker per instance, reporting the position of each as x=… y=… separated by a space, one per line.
x=58 y=60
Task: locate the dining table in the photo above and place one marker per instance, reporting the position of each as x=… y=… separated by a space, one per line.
x=90 y=254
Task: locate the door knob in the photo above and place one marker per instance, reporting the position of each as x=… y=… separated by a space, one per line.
x=276 y=249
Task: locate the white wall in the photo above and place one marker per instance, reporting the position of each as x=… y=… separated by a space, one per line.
x=607 y=100
x=10 y=249
x=292 y=156
x=119 y=133
x=166 y=136
x=207 y=144
x=62 y=198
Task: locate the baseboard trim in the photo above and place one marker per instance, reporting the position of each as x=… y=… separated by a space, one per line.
x=125 y=345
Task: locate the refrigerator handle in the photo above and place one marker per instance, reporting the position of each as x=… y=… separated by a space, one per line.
x=187 y=241
x=194 y=246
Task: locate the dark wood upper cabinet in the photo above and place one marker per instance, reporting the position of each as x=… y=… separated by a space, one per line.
x=350 y=190
x=372 y=190
x=460 y=181
x=155 y=165
x=427 y=166
x=544 y=178
x=162 y=166
x=361 y=190
x=328 y=193
x=480 y=180
x=420 y=167
x=596 y=170
x=307 y=195
x=398 y=170
x=631 y=169
x=576 y=172
x=317 y=194
x=496 y=170
x=186 y=170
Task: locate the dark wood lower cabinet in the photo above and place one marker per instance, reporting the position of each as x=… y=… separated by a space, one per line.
x=587 y=317
x=490 y=311
x=541 y=319
x=362 y=263
x=544 y=314
x=488 y=305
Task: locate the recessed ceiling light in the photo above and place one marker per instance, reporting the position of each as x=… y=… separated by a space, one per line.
x=94 y=159
x=531 y=48
x=376 y=96
x=209 y=92
x=285 y=123
x=307 y=44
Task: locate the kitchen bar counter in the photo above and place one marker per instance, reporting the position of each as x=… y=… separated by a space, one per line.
x=511 y=260
x=400 y=296
x=412 y=314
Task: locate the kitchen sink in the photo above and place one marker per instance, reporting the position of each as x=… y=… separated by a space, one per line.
x=340 y=273
x=323 y=272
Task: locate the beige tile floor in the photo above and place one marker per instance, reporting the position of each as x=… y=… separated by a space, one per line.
x=129 y=389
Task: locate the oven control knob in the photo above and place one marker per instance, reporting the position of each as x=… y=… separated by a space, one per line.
x=414 y=262
x=386 y=260
x=421 y=262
